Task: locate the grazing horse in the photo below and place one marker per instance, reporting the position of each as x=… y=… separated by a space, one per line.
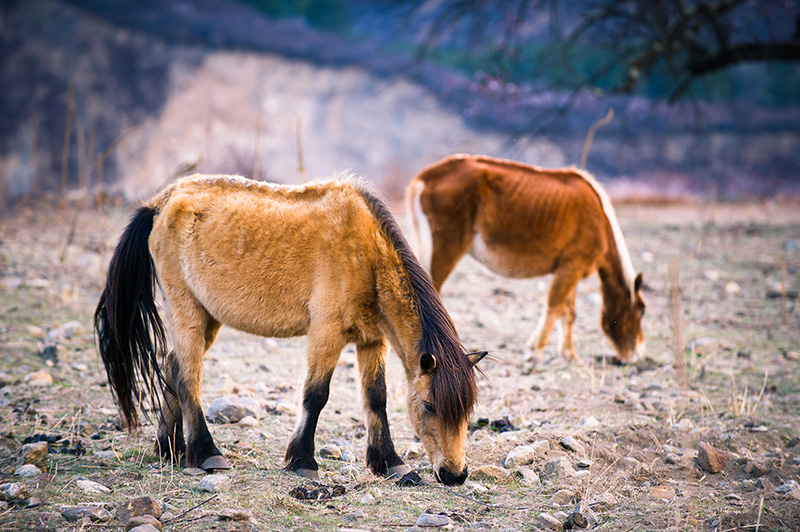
x=326 y=260
x=523 y=221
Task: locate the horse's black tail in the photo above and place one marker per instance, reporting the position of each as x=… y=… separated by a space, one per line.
x=130 y=333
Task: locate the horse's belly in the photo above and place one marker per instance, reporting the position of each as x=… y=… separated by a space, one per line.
x=507 y=262
x=255 y=304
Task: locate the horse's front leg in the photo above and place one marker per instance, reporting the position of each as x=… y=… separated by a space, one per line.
x=382 y=458
x=559 y=298
x=323 y=354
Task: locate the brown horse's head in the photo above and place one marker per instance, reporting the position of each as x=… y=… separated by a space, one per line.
x=440 y=399
x=622 y=322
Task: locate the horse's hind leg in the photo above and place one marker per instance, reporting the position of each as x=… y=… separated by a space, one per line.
x=382 y=458
x=323 y=355
x=170 y=443
x=193 y=331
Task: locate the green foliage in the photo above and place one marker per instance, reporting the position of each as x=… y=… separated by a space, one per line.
x=328 y=15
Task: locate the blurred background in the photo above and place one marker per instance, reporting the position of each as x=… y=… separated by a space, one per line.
x=122 y=97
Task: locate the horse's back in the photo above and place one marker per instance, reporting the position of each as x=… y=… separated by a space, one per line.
x=524 y=220
x=261 y=257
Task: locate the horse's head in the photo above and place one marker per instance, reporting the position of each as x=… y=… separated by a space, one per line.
x=622 y=322
x=440 y=399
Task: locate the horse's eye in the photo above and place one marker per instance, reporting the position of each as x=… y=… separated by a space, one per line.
x=428 y=408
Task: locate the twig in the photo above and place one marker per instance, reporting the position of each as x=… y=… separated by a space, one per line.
x=196 y=506
x=784 y=315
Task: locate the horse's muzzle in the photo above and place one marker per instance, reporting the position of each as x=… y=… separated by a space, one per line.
x=448 y=479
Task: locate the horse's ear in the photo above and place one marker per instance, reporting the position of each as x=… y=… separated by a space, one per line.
x=476 y=357
x=427 y=363
x=637 y=284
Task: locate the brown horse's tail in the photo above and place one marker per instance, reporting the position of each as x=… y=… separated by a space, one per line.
x=130 y=333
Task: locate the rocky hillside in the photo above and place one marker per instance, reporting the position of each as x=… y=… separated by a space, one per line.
x=216 y=87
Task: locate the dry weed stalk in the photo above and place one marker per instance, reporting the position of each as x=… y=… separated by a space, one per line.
x=784 y=315
x=590 y=135
x=740 y=404
x=67 y=137
x=300 y=166
x=678 y=352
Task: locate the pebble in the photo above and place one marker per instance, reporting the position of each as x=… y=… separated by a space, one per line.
x=145 y=528
x=367 y=499
x=584 y=463
x=38 y=378
x=684 y=425
x=557 y=468
x=138 y=506
x=35 y=453
x=549 y=522
x=142 y=520
x=790 y=489
x=107 y=455
x=232 y=409
x=571 y=444
x=27 y=470
x=13 y=492
x=529 y=476
x=248 y=422
x=520 y=455
x=349 y=471
x=214 y=483
x=490 y=472
x=95 y=514
x=563 y=497
x=330 y=451
x=605 y=501
x=91 y=487
x=711 y=459
x=360 y=514
x=432 y=520
x=415 y=451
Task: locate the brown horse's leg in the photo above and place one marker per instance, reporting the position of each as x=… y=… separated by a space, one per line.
x=323 y=354
x=193 y=331
x=169 y=440
x=382 y=458
x=564 y=282
x=566 y=345
x=447 y=251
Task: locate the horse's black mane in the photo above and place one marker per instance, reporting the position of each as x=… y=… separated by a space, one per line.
x=453 y=383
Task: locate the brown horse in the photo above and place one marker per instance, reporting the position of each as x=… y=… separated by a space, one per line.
x=523 y=221
x=325 y=260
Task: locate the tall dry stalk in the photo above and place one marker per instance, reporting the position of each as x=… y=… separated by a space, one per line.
x=590 y=135
x=67 y=136
x=301 y=169
x=678 y=351
x=784 y=314
x=256 y=147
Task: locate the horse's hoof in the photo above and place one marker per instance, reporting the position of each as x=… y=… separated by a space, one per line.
x=214 y=463
x=310 y=474
x=398 y=471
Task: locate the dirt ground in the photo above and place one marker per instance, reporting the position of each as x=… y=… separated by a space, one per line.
x=632 y=432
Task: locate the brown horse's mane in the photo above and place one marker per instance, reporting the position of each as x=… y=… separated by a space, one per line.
x=453 y=384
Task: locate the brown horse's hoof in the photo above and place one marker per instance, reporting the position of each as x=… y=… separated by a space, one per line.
x=398 y=471
x=310 y=474
x=214 y=463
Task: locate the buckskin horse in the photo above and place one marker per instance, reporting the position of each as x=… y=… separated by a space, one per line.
x=523 y=221
x=327 y=260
